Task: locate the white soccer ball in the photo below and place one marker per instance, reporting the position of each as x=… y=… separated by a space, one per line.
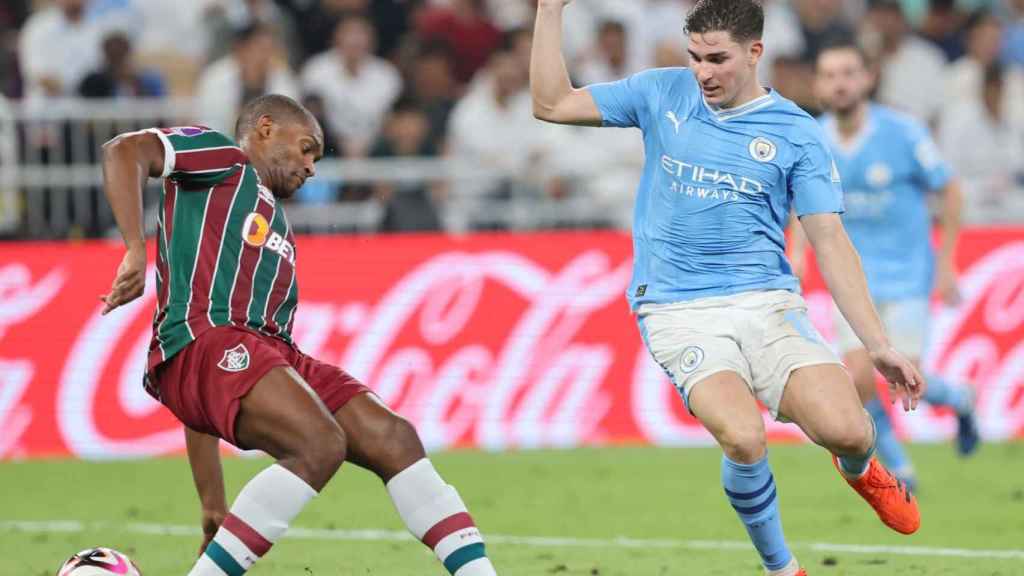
x=99 y=562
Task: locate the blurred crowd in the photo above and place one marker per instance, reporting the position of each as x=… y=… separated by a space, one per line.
x=427 y=78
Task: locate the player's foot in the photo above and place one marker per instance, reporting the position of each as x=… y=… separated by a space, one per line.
x=909 y=480
x=802 y=572
x=967 y=436
x=890 y=497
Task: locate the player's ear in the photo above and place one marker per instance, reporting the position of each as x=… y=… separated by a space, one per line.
x=755 y=51
x=264 y=127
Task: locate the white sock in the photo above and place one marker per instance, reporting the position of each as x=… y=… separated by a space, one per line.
x=435 y=514
x=260 y=515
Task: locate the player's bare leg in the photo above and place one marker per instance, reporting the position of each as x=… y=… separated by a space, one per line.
x=823 y=401
x=888 y=448
x=284 y=418
x=726 y=407
x=388 y=445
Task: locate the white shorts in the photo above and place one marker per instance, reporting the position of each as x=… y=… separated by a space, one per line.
x=906 y=322
x=762 y=336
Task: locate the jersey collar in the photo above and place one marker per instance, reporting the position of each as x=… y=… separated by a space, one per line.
x=725 y=114
x=853 y=146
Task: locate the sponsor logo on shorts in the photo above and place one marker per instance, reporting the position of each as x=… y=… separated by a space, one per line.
x=693 y=357
x=235 y=360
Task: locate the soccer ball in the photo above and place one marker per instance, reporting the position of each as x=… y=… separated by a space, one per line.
x=99 y=562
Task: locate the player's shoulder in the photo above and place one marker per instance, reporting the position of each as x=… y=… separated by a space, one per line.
x=794 y=122
x=197 y=136
x=895 y=121
x=666 y=78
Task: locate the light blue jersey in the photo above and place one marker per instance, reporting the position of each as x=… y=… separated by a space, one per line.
x=888 y=172
x=717 y=186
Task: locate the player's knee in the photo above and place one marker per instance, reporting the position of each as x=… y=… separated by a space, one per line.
x=743 y=445
x=398 y=446
x=852 y=437
x=321 y=455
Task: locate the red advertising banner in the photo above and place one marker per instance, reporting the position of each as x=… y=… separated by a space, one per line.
x=497 y=341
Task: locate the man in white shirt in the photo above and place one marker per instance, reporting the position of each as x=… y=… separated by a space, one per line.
x=57 y=48
x=357 y=87
x=254 y=67
x=912 y=69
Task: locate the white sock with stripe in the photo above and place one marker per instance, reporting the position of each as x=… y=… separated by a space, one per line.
x=260 y=515
x=435 y=514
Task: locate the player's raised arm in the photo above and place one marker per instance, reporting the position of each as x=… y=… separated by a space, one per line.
x=128 y=161
x=554 y=98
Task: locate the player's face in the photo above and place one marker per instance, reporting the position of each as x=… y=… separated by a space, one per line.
x=842 y=81
x=293 y=148
x=723 y=66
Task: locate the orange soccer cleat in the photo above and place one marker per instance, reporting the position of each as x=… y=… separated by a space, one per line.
x=802 y=572
x=895 y=505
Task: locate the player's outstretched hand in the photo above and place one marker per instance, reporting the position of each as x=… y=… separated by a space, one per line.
x=903 y=377
x=212 y=519
x=130 y=281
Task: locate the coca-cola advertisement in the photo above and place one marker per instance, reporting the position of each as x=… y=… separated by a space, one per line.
x=496 y=341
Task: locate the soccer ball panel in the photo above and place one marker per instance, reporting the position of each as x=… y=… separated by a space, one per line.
x=99 y=562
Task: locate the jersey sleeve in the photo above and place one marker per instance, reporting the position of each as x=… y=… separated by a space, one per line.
x=814 y=181
x=624 y=103
x=198 y=157
x=930 y=169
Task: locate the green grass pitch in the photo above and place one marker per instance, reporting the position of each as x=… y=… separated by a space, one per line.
x=594 y=512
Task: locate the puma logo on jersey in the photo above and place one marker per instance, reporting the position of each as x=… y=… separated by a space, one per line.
x=674 y=119
x=235 y=359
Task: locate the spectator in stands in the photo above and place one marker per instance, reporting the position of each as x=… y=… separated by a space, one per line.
x=357 y=87
x=965 y=77
x=12 y=15
x=432 y=86
x=944 y=26
x=607 y=59
x=408 y=207
x=463 y=25
x=58 y=47
x=1013 y=39
x=227 y=16
x=317 y=20
x=119 y=77
x=821 y=24
x=911 y=69
x=987 y=151
x=254 y=67
x=493 y=127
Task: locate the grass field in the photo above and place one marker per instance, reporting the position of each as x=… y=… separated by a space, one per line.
x=595 y=512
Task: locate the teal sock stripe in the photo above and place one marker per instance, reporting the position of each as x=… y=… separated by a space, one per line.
x=464 y=556
x=223 y=560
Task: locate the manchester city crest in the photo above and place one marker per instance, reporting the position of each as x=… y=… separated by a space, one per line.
x=691 y=359
x=762 y=149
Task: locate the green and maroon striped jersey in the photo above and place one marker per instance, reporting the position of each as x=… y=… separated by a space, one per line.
x=225 y=250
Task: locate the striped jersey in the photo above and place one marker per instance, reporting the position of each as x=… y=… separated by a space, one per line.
x=225 y=250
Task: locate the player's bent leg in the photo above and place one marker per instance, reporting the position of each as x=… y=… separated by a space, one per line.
x=887 y=446
x=943 y=391
x=388 y=445
x=283 y=417
x=725 y=406
x=822 y=401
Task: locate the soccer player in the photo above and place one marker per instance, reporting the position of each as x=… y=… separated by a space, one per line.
x=222 y=358
x=717 y=303
x=889 y=166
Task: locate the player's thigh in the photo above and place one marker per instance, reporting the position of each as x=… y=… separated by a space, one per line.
x=822 y=400
x=725 y=405
x=862 y=370
x=781 y=340
x=282 y=416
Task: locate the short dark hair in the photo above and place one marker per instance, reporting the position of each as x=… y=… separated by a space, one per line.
x=846 y=43
x=742 y=19
x=278 y=106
